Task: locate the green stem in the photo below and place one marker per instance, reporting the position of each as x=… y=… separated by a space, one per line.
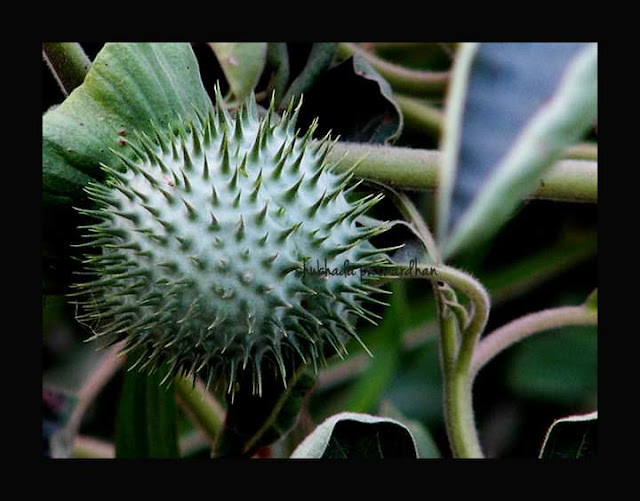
x=68 y=63
x=461 y=428
x=414 y=82
x=204 y=410
x=418 y=169
x=522 y=327
x=418 y=115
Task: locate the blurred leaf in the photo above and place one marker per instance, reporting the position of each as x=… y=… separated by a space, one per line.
x=561 y=368
x=256 y=421
x=592 y=301
x=353 y=101
x=385 y=344
x=146 y=422
x=278 y=59
x=573 y=437
x=320 y=58
x=242 y=64
x=357 y=436
x=512 y=111
x=425 y=445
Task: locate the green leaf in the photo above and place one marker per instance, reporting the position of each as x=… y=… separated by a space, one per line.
x=425 y=445
x=278 y=59
x=242 y=64
x=357 y=436
x=320 y=57
x=573 y=437
x=560 y=368
x=512 y=111
x=386 y=344
x=254 y=421
x=146 y=419
x=128 y=85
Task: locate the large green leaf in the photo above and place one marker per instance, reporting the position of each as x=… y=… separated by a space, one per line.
x=351 y=435
x=128 y=85
x=242 y=63
x=573 y=437
x=146 y=419
x=255 y=421
x=560 y=367
x=513 y=109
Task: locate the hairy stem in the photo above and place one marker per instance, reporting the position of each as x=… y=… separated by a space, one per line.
x=522 y=327
x=414 y=82
x=418 y=169
x=68 y=63
x=203 y=409
x=419 y=115
x=463 y=435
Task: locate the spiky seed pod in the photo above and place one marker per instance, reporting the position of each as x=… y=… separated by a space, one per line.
x=210 y=244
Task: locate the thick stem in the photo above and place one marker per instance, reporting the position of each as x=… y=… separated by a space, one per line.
x=418 y=169
x=522 y=327
x=68 y=63
x=204 y=410
x=414 y=82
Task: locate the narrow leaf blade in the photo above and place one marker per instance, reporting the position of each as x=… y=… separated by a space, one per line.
x=254 y=421
x=146 y=422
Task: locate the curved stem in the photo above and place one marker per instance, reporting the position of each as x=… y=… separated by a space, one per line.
x=418 y=169
x=68 y=63
x=422 y=83
x=522 y=327
x=109 y=365
x=203 y=409
x=462 y=432
x=419 y=115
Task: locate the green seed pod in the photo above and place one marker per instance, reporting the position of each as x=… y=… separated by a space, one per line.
x=210 y=242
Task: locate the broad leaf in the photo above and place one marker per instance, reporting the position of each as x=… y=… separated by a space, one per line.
x=512 y=111
x=573 y=437
x=561 y=367
x=255 y=421
x=128 y=85
x=350 y=435
x=425 y=445
x=242 y=64
x=353 y=101
x=146 y=419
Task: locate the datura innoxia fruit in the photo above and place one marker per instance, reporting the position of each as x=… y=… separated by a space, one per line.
x=205 y=237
